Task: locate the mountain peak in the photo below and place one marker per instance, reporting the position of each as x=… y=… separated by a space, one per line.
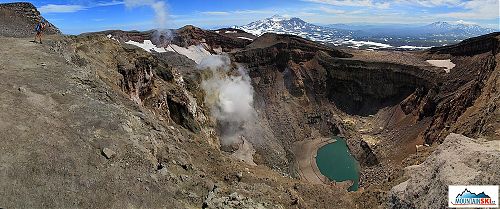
x=278 y=18
x=294 y=26
x=462 y=22
x=440 y=23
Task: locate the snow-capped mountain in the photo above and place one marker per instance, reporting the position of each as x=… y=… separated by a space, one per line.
x=295 y=26
x=370 y=37
x=456 y=30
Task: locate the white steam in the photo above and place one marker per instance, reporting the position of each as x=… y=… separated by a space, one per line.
x=160 y=8
x=229 y=96
x=161 y=36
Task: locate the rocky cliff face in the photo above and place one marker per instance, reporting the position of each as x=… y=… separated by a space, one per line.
x=456 y=97
x=20 y=19
x=363 y=88
x=459 y=160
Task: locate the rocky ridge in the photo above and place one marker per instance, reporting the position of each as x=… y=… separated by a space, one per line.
x=20 y=19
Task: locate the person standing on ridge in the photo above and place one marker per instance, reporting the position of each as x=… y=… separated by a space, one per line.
x=40 y=27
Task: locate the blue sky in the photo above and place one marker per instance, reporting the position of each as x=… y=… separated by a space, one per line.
x=77 y=16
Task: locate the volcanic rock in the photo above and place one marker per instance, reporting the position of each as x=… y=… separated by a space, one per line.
x=20 y=19
x=459 y=160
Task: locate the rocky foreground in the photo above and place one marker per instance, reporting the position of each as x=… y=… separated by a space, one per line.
x=72 y=137
x=95 y=121
x=20 y=19
x=476 y=164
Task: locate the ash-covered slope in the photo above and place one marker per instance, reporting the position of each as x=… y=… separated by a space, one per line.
x=20 y=19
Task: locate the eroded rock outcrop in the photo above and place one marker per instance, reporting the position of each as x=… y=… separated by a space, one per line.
x=459 y=160
x=456 y=99
x=20 y=19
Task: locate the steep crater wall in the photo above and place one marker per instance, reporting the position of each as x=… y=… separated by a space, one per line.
x=362 y=88
x=301 y=87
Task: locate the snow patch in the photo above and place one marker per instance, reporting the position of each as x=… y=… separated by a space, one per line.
x=413 y=47
x=147 y=45
x=194 y=52
x=111 y=37
x=447 y=64
x=245 y=38
x=357 y=44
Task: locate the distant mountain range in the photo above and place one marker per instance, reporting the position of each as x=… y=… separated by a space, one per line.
x=458 y=30
x=295 y=26
x=372 y=37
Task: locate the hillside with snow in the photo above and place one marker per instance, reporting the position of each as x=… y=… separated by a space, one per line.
x=370 y=37
x=296 y=26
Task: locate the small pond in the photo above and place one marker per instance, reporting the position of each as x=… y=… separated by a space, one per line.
x=335 y=162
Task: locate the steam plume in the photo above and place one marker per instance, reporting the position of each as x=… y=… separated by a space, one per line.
x=159 y=7
x=230 y=97
x=161 y=36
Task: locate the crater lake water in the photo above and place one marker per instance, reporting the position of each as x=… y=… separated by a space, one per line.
x=335 y=162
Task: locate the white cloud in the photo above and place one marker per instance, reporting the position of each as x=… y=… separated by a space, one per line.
x=112 y=3
x=353 y=3
x=215 y=13
x=237 y=12
x=306 y=14
x=255 y=11
x=433 y=3
x=478 y=9
x=55 y=8
x=465 y=22
x=468 y=9
x=70 y=8
x=332 y=11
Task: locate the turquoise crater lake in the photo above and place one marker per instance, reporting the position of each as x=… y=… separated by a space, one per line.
x=337 y=164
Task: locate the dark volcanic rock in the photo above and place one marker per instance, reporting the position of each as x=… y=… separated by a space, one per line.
x=363 y=88
x=20 y=19
x=236 y=33
x=190 y=35
x=138 y=79
x=368 y=158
